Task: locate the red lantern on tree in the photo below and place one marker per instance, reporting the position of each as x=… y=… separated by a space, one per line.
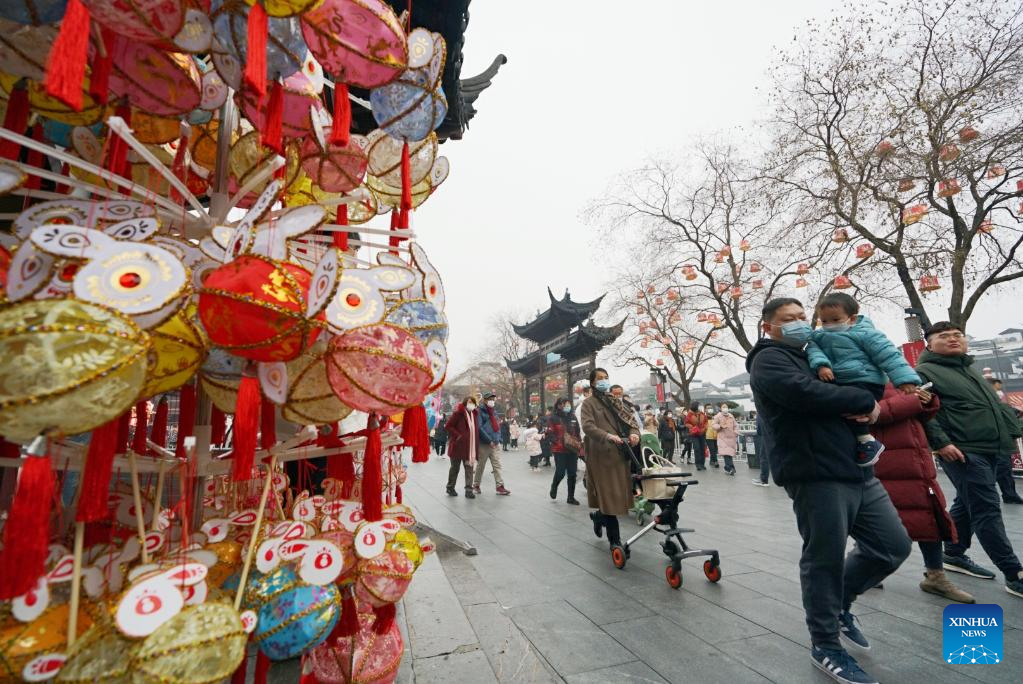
x=884 y=148
x=639 y=295
x=906 y=184
x=948 y=188
x=701 y=317
x=659 y=301
x=675 y=318
x=644 y=344
x=736 y=292
x=929 y=283
x=864 y=250
x=660 y=362
x=803 y=269
x=842 y=282
x=801 y=282
x=949 y=152
x=986 y=227
x=722 y=288
x=639 y=310
x=840 y=235
x=673 y=295
x=713 y=318
x=758 y=284
x=689 y=272
x=254 y=307
x=968 y=134
x=650 y=289
x=755 y=267
x=995 y=171
x=719 y=258
x=745 y=245
x=726 y=251
x=911 y=215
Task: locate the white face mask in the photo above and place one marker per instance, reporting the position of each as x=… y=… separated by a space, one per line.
x=491 y=403
x=725 y=409
x=470 y=406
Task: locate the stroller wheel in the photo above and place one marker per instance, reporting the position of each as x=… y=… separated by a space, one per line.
x=618 y=557
x=674 y=576
x=713 y=572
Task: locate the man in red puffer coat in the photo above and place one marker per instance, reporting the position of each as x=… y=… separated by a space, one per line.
x=907 y=471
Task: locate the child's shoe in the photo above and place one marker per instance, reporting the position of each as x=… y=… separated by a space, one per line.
x=867 y=453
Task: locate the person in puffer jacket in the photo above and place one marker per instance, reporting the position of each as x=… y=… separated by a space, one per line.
x=848 y=350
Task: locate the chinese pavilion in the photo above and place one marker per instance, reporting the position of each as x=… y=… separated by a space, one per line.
x=568 y=341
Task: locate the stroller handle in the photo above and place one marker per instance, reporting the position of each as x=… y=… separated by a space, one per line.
x=678 y=483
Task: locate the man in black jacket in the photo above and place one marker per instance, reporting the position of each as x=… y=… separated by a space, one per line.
x=813 y=456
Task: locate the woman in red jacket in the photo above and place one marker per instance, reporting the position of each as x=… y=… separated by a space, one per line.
x=907 y=471
x=463 y=444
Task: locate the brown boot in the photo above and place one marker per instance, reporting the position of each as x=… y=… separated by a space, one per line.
x=936 y=582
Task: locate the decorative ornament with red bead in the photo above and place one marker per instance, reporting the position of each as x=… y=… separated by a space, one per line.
x=94 y=496
x=15 y=119
x=246 y=425
x=340 y=129
x=255 y=52
x=26 y=533
x=65 y=68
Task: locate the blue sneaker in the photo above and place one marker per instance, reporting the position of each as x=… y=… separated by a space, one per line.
x=867 y=453
x=840 y=666
x=851 y=634
x=965 y=565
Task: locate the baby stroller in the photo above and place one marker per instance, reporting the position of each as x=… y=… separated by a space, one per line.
x=663 y=486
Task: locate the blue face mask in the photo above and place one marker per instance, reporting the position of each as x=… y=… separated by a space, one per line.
x=796 y=333
x=835 y=327
x=566 y=409
x=602 y=385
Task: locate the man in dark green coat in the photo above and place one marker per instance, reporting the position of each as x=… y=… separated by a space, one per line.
x=971 y=432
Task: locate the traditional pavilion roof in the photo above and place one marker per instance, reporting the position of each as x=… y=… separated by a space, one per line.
x=449 y=18
x=562 y=315
x=588 y=339
x=530 y=364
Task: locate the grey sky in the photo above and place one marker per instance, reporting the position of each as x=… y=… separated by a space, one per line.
x=591 y=90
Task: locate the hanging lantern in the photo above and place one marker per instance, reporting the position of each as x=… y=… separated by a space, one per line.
x=650 y=289
x=803 y=269
x=722 y=287
x=726 y=251
x=701 y=317
x=690 y=272
x=713 y=336
x=755 y=267
x=801 y=282
x=884 y=148
x=644 y=344
x=736 y=292
x=413 y=105
x=745 y=245
x=642 y=326
x=986 y=227
x=929 y=283
x=660 y=362
x=864 y=250
x=659 y=301
x=906 y=184
x=840 y=235
x=968 y=134
x=1019 y=186
x=719 y=258
x=639 y=295
x=713 y=318
x=675 y=318
x=842 y=282
x=639 y=311
x=995 y=171
x=949 y=152
x=689 y=347
x=758 y=284
x=378 y=368
x=911 y=215
x=363 y=43
x=673 y=295
x=948 y=188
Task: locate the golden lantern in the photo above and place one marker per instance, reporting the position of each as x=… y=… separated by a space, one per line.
x=745 y=245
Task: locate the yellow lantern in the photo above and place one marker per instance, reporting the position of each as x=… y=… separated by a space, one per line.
x=22 y=642
x=179 y=348
x=310 y=399
x=68 y=365
x=202 y=643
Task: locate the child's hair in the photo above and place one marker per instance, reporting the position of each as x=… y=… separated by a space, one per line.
x=840 y=300
x=650 y=423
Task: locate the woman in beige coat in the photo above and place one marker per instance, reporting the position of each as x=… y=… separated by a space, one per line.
x=607 y=424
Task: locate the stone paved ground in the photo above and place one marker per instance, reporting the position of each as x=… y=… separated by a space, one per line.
x=541 y=601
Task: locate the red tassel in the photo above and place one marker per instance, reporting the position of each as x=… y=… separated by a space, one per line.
x=397 y=494
x=262 y=668
x=93 y=499
x=273 y=118
x=384 y=618
x=340 y=129
x=65 y=69
x=99 y=80
x=348 y=623
x=414 y=433
x=138 y=440
x=406 y=178
x=239 y=675
x=218 y=425
x=372 y=475
x=393 y=240
x=123 y=432
x=255 y=52
x=246 y=426
x=158 y=434
x=16 y=119
x=117 y=159
x=267 y=424
x=341 y=236
x=186 y=417
x=26 y=534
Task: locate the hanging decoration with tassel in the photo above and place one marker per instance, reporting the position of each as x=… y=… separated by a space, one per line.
x=26 y=533
x=416 y=434
x=65 y=68
x=272 y=135
x=246 y=425
x=340 y=129
x=372 y=472
x=15 y=119
x=138 y=440
x=93 y=500
x=99 y=79
x=255 y=53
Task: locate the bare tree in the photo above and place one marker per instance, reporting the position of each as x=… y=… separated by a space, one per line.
x=502 y=343
x=904 y=127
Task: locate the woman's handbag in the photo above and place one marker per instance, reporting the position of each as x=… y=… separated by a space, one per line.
x=573 y=444
x=657 y=487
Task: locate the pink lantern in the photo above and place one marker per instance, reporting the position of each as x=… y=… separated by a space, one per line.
x=644 y=344
x=842 y=282
x=949 y=152
x=639 y=295
x=986 y=227
x=758 y=284
x=339 y=168
x=906 y=184
x=884 y=148
x=673 y=295
x=659 y=301
x=744 y=245
x=803 y=269
x=755 y=267
x=801 y=282
x=300 y=99
x=367 y=657
x=639 y=310
x=713 y=318
x=726 y=251
x=378 y=368
x=722 y=288
x=660 y=362
x=651 y=289
x=689 y=272
x=719 y=258
x=840 y=235
x=929 y=283
x=158 y=82
x=968 y=134
x=864 y=250
x=147 y=21
x=675 y=318
x=948 y=188
x=361 y=42
x=701 y=317
x=383 y=579
x=995 y=171
x=736 y=292
x=911 y=215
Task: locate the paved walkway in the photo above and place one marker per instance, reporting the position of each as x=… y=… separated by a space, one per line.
x=541 y=601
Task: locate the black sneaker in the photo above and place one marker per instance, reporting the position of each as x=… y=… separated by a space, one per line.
x=1015 y=587
x=572 y=501
x=840 y=666
x=451 y=491
x=598 y=524
x=850 y=632
x=1012 y=500
x=867 y=453
x=553 y=493
x=964 y=565
x=469 y=494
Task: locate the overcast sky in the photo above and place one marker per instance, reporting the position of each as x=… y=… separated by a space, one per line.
x=591 y=90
